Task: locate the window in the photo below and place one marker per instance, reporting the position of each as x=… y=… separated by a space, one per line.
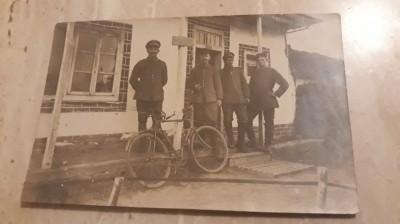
x=250 y=65
x=96 y=65
x=208 y=38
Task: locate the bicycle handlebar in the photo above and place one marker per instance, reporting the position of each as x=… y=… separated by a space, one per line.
x=162 y=116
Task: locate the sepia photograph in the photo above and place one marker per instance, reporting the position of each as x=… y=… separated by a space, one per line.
x=245 y=113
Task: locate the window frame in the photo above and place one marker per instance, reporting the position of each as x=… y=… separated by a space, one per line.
x=92 y=95
x=245 y=60
x=196 y=29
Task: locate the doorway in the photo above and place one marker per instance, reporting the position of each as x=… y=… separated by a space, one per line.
x=215 y=61
x=215 y=57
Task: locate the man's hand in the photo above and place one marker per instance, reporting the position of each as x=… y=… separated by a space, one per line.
x=197 y=87
x=219 y=102
x=271 y=93
x=247 y=100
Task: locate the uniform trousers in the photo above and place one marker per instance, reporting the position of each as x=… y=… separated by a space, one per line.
x=144 y=108
x=205 y=114
x=269 y=115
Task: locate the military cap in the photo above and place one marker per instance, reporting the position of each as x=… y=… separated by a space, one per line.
x=204 y=51
x=153 y=43
x=228 y=55
x=261 y=55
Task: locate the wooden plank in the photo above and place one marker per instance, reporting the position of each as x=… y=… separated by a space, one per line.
x=286 y=169
x=112 y=201
x=258 y=165
x=322 y=186
x=260 y=117
x=182 y=41
x=240 y=155
x=259 y=34
x=282 y=166
x=249 y=162
x=77 y=171
x=61 y=89
x=293 y=171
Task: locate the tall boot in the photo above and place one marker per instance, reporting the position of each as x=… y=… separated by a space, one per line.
x=241 y=133
x=252 y=143
x=142 y=126
x=229 y=134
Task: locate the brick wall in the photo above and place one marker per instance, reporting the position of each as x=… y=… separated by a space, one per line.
x=251 y=48
x=283 y=130
x=120 y=105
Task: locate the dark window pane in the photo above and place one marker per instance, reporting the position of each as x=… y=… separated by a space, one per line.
x=251 y=70
x=81 y=82
x=104 y=83
x=109 y=44
x=84 y=62
x=107 y=63
x=87 y=41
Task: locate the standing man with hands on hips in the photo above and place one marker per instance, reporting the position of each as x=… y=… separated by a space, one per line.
x=263 y=99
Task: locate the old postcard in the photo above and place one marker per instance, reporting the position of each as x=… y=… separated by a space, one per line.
x=228 y=113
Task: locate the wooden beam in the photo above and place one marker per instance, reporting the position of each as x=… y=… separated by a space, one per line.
x=182 y=41
x=259 y=34
x=322 y=186
x=79 y=171
x=180 y=80
x=260 y=116
x=112 y=201
x=61 y=89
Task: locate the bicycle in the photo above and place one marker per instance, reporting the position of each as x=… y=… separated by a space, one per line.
x=155 y=154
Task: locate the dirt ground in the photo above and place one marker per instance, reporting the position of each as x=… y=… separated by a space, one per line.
x=233 y=196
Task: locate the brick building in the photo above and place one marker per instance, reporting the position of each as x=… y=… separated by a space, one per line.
x=99 y=100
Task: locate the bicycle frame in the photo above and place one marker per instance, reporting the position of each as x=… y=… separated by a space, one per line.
x=157 y=130
x=176 y=158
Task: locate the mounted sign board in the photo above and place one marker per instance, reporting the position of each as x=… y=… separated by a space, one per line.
x=182 y=41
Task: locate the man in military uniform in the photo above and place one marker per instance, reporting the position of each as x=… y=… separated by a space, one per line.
x=263 y=98
x=235 y=96
x=148 y=79
x=207 y=91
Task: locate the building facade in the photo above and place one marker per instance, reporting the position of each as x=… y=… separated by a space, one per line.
x=99 y=100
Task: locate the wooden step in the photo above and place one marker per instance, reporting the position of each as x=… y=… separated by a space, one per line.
x=275 y=168
x=236 y=159
x=263 y=163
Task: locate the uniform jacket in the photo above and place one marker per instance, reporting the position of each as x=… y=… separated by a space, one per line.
x=234 y=86
x=261 y=87
x=208 y=78
x=148 y=78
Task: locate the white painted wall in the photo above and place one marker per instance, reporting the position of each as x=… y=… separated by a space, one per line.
x=86 y=123
x=72 y=124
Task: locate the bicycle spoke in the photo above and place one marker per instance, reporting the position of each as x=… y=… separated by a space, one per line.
x=209 y=149
x=158 y=171
x=157 y=166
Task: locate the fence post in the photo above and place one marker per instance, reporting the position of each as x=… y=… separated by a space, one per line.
x=112 y=201
x=322 y=186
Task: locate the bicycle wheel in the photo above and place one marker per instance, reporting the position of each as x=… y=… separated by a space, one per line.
x=151 y=160
x=209 y=149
